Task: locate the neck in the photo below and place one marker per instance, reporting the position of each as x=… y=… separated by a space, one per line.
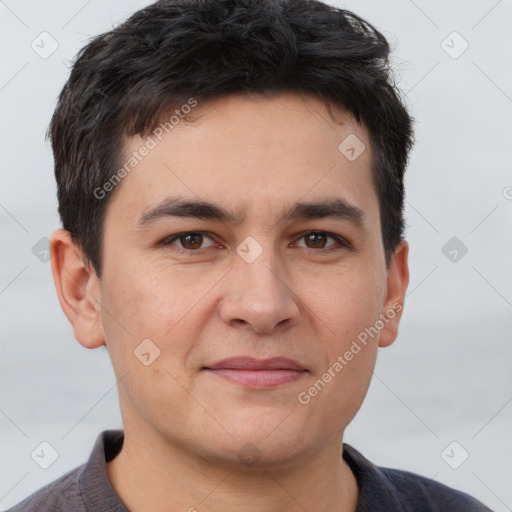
x=150 y=474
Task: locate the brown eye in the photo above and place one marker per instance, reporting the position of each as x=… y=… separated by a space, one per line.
x=318 y=240
x=189 y=241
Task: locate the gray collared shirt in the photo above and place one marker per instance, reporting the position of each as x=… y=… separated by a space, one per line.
x=88 y=489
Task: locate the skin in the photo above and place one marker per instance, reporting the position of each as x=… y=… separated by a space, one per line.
x=183 y=425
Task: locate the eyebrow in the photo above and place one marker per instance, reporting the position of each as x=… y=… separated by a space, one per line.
x=178 y=207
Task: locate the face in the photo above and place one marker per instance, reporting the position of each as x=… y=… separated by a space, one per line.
x=253 y=274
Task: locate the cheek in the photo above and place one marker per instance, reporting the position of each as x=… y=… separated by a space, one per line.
x=160 y=304
x=347 y=301
x=348 y=309
x=336 y=391
x=140 y=306
x=150 y=301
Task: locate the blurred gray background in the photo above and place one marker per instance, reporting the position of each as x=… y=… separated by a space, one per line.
x=440 y=403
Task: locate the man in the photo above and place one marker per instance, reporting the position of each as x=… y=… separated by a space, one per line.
x=230 y=184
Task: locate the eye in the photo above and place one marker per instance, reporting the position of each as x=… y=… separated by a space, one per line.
x=188 y=241
x=318 y=240
x=192 y=241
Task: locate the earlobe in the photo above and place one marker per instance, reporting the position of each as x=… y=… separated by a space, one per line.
x=78 y=289
x=397 y=282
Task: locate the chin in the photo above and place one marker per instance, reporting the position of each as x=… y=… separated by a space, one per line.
x=269 y=454
x=260 y=424
x=271 y=435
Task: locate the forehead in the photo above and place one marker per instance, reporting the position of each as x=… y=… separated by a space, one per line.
x=254 y=153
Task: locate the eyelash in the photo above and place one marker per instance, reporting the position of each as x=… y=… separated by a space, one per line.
x=341 y=242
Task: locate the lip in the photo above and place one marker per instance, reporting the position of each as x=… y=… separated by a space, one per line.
x=250 y=363
x=258 y=373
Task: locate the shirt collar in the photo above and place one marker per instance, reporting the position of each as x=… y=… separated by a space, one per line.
x=98 y=493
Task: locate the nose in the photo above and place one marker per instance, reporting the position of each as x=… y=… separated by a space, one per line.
x=258 y=296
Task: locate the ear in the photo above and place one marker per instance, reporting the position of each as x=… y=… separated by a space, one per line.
x=397 y=282
x=78 y=289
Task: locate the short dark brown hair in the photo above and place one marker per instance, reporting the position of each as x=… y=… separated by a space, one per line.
x=123 y=82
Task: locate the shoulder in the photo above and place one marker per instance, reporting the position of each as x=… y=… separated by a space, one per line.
x=59 y=495
x=397 y=490
x=84 y=488
x=427 y=494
